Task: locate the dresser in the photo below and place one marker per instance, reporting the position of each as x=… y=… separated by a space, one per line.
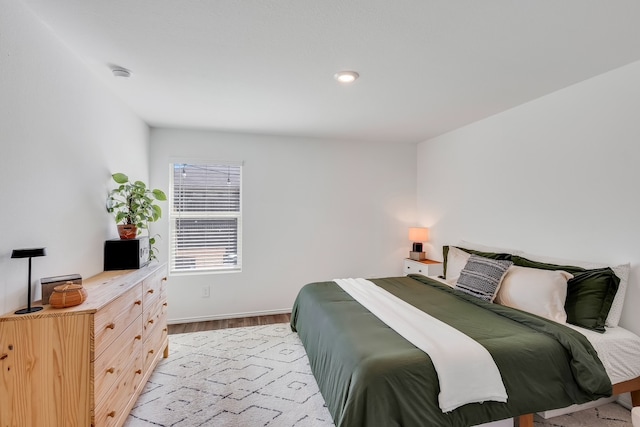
x=85 y=365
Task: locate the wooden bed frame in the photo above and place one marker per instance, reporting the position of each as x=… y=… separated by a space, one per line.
x=631 y=386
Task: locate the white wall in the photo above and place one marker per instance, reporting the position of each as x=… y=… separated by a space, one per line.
x=313 y=210
x=557 y=176
x=61 y=135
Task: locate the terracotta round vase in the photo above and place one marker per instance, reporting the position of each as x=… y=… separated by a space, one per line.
x=127 y=231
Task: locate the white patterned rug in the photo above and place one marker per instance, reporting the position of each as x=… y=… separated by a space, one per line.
x=245 y=377
x=260 y=376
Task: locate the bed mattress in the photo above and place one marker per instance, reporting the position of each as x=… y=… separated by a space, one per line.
x=618 y=350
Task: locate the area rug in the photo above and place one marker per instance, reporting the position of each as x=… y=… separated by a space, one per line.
x=260 y=376
x=610 y=415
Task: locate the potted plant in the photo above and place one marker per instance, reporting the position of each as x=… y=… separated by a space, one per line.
x=134 y=206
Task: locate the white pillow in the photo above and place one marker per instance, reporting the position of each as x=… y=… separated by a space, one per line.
x=456 y=260
x=541 y=292
x=622 y=271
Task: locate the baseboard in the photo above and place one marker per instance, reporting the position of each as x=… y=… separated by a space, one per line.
x=227 y=316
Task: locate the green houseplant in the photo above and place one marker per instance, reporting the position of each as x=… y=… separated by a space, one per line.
x=134 y=206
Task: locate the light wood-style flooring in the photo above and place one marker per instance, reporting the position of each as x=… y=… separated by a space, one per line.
x=228 y=323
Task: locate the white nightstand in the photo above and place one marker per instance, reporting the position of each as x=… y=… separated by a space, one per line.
x=425 y=267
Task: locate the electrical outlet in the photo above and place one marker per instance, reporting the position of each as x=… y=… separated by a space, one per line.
x=206 y=291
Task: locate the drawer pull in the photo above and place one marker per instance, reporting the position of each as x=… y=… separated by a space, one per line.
x=165 y=330
x=139 y=371
x=151 y=321
x=164 y=279
x=151 y=351
x=4 y=356
x=138 y=337
x=111 y=370
x=111 y=414
x=111 y=326
x=138 y=302
x=150 y=291
x=165 y=304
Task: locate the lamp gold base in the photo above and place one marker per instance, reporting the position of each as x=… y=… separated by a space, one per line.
x=417 y=256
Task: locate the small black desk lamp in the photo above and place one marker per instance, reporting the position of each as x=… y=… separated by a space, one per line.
x=28 y=253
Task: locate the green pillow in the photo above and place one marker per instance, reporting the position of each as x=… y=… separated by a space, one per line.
x=491 y=255
x=589 y=294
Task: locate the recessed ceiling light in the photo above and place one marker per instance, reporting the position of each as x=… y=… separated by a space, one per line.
x=346 y=76
x=120 y=72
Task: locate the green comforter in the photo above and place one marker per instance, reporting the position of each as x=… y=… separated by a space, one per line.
x=371 y=376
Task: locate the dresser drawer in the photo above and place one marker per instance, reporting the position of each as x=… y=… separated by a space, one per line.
x=111 y=364
x=153 y=317
x=109 y=412
x=425 y=267
x=152 y=287
x=113 y=319
x=153 y=345
x=163 y=287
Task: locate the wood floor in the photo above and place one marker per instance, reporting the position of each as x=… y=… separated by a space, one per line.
x=228 y=323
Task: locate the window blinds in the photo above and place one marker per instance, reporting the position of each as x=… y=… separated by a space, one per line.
x=205 y=217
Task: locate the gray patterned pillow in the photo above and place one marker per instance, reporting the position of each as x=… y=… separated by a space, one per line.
x=481 y=277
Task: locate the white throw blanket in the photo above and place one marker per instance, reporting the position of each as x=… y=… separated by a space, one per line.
x=466 y=371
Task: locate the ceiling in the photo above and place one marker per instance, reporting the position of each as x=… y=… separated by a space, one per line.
x=266 y=66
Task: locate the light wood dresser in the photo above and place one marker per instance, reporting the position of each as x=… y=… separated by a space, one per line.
x=85 y=365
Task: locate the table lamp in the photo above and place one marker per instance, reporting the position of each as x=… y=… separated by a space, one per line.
x=28 y=253
x=418 y=235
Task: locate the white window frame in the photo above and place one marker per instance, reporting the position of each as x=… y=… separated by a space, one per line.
x=175 y=215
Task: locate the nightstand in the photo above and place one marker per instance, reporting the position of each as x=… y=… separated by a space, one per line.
x=425 y=267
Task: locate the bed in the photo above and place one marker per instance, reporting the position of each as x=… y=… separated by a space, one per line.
x=369 y=375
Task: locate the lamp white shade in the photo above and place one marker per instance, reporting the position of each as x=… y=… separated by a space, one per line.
x=418 y=234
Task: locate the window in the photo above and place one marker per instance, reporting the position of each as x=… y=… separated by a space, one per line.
x=205 y=217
